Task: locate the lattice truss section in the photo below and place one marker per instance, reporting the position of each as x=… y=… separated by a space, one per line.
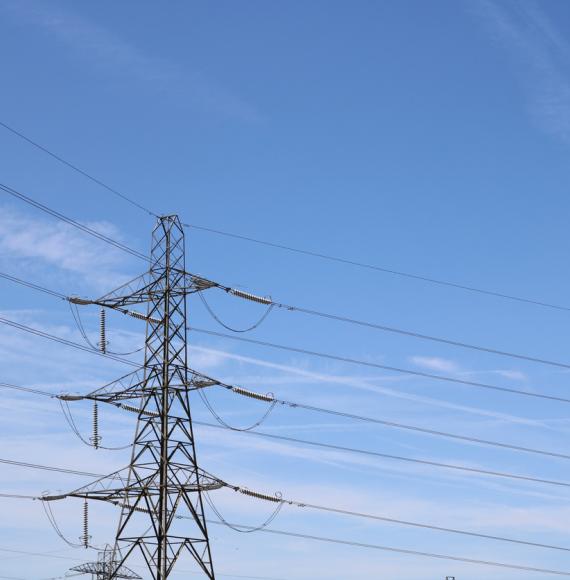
x=163 y=480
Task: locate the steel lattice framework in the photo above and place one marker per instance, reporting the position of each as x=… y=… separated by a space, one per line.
x=105 y=567
x=163 y=481
x=163 y=476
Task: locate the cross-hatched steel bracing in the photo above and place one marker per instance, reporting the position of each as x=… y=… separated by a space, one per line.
x=104 y=567
x=163 y=477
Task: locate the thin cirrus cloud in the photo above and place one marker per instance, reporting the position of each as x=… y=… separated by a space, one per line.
x=541 y=55
x=117 y=58
x=435 y=363
x=32 y=244
x=361 y=384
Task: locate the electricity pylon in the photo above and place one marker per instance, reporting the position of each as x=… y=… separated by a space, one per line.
x=163 y=476
x=105 y=567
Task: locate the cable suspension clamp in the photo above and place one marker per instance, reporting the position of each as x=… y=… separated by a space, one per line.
x=79 y=301
x=203 y=383
x=68 y=397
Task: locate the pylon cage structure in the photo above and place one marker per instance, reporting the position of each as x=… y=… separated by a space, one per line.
x=104 y=567
x=163 y=478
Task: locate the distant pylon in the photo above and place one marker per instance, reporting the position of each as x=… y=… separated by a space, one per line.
x=105 y=568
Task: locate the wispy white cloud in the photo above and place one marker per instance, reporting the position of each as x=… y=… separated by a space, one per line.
x=435 y=363
x=510 y=374
x=35 y=244
x=112 y=55
x=364 y=385
x=542 y=56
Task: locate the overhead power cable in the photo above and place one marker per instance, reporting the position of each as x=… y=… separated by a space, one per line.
x=324 y=315
x=48 y=468
x=418 y=335
x=401 y=550
x=374 y=420
x=71 y=559
x=33 y=286
x=253 y=326
x=71 y=222
x=370 y=364
x=26 y=390
x=405 y=459
x=78 y=170
x=284 y=247
x=393 y=424
x=239 y=527
x=328 y=316
x=389 y=520
x=64 y=341
x=377 y=268
x=17 y=496
x=332 y=317
x=450 y=466
x=351 y=513
x=305 y=505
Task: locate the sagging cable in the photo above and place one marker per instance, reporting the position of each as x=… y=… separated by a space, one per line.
x=266 y=523
x=230 y=328
x=53 y=522
x=95 y=440
x=102 y=332
x=222 y=422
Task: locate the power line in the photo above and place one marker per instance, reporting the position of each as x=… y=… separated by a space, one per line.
x=48 y=468
x=451 y=466
x=414 y=428
x=292 y=404
x=285 y=247
x=369 y=364
x=351 y=513
x=17 y=496
x=72 y=222
x=363 y=418
x=401 y=550
x=32 y=286
x=64 y=341
x=78 y=170
x=52 y=555
x=26 y=390
x=421 y=336
x=306 y=505
x=331 y=317
x=368 y=266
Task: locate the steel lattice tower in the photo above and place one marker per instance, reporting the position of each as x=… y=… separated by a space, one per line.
x=163 y=477
x=104 y=567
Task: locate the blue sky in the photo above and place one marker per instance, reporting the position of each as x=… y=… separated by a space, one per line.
x=427 y=137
